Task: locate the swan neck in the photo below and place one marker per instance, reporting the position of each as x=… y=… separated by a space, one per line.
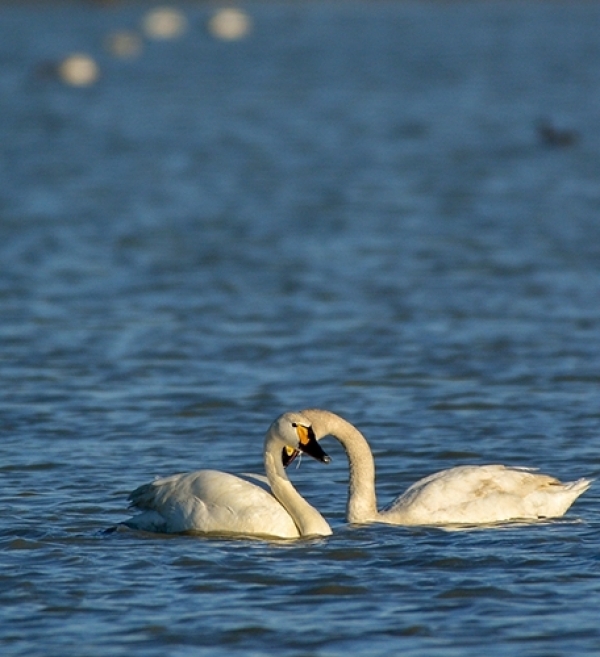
x=308 y=520
x=362 y=499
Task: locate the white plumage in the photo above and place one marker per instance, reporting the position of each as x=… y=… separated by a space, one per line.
x=210 y=502
x=469 y=494
x=472 y=494
x=213 y=502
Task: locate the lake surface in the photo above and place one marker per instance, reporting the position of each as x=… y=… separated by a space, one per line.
x=352 y=207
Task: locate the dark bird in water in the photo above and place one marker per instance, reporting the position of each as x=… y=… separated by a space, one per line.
x=550 y=135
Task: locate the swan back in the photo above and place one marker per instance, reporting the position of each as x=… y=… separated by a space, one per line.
x=481 y=494
x=211 y=502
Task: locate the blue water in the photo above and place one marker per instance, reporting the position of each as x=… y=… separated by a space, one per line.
x=353 y=208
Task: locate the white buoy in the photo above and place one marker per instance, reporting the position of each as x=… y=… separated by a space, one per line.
x=79 y=70
x=123 y=44
x=164 y=23
x=230 y=24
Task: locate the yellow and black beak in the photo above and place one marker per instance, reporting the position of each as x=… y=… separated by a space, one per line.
x=309 y=444
x=288 y=454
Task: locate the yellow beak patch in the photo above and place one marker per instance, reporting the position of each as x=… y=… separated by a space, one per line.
x=304 y=434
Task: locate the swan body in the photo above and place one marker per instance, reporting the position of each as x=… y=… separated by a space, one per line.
x=213 y=502
x=469 y=494
x=472 y=494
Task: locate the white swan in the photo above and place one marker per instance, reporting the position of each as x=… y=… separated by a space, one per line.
x=469 y=494
x=212 y=502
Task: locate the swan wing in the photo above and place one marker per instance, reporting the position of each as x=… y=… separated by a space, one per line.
x=209 y=501
x=483 y=494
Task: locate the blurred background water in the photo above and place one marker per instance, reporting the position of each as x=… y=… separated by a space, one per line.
x=387 y=209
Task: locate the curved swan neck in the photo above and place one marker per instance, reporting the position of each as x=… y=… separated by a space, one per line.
x=308 y=520
x=362 y=500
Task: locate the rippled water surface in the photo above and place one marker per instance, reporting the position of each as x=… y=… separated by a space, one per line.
x=352 y=207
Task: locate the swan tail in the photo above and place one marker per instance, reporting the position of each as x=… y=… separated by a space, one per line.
x=579 y=486
x=564 y=498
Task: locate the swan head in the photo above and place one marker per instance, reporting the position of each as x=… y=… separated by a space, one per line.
x=298 y=436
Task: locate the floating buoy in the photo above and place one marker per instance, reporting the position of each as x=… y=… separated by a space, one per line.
x=230 y=24
x=124 y=44
x=164 y=23
x=79 y=70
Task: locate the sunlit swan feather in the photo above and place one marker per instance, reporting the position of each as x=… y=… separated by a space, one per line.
x=213 y=502
x=468 y=494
